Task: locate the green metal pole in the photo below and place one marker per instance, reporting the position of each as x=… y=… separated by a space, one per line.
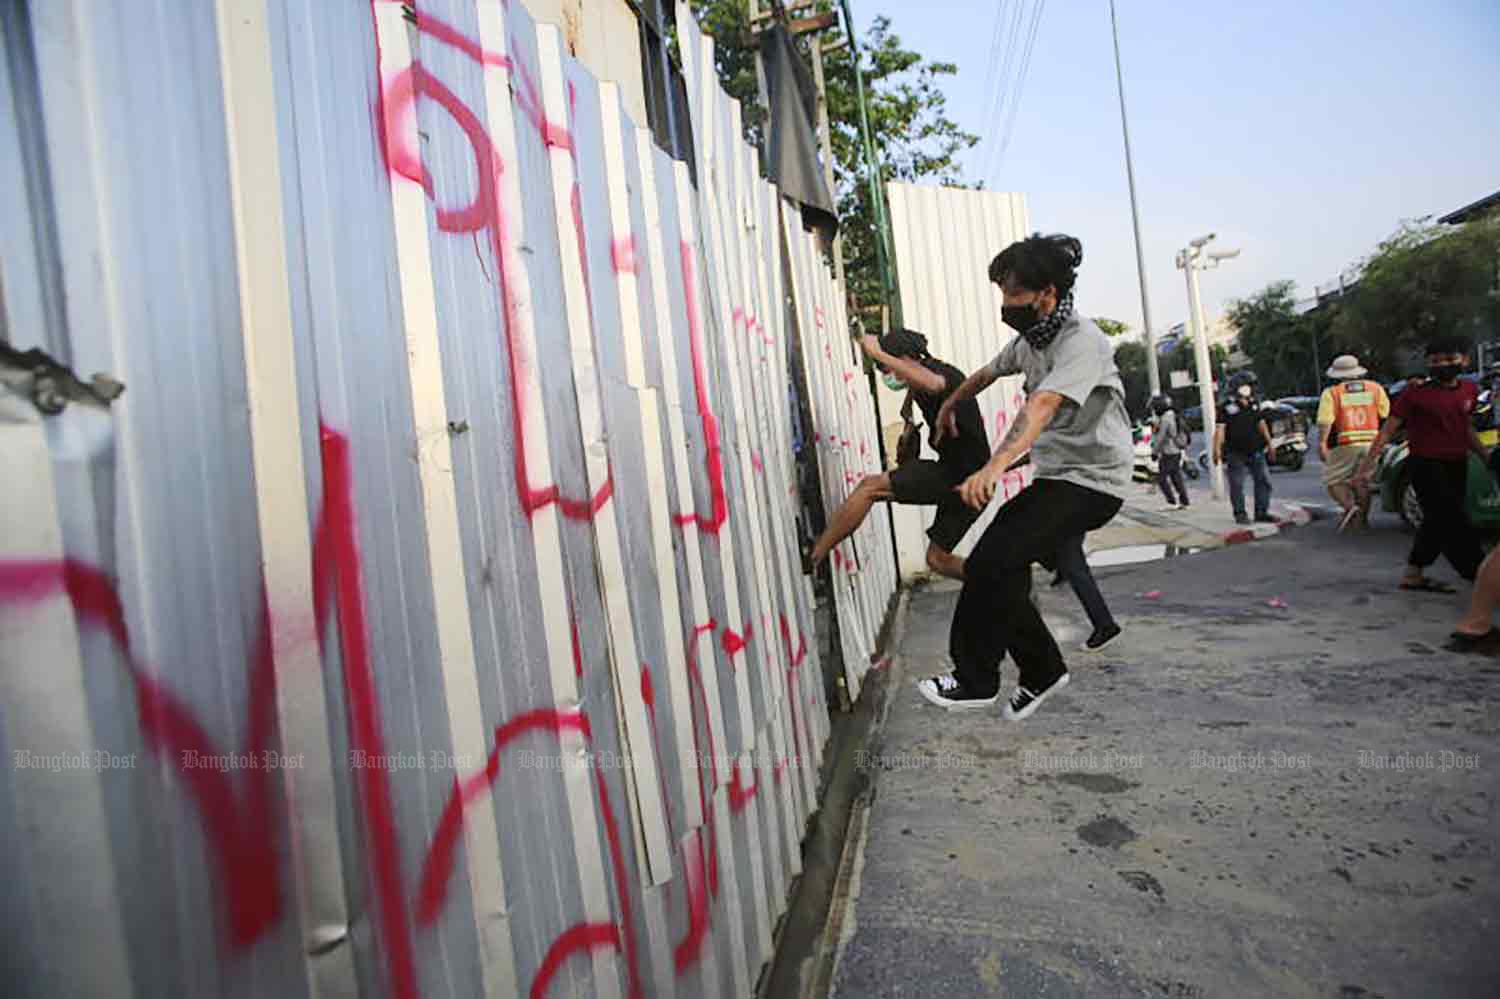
x=872 y=165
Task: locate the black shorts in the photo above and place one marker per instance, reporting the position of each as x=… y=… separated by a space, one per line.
x=931 y=483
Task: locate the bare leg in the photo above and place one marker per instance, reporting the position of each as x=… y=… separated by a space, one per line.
x=1343 y=495
x=1362 y=496
x=944 y=563
x=847 y=518
x=1476 y=621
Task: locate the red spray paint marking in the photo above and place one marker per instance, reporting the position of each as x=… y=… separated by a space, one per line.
x=734 y=643
x=438 y=865
x=336 y=552
x=648 y=694
x=710 y=423
x=739 y=794
x=398 y=100
x=794 y=663
x=580 y=937
x=695 y=678
x=700 y=860
x=445 y=32
x=690 y=948
x=778 y=769
x=240 y=831
x=622 y=255
x=756 y=463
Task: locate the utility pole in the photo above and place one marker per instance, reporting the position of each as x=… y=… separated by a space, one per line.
x=1135 y=217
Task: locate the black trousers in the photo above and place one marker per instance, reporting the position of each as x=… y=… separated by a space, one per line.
x=1169 y=474
x=995 y=614
x=1074 y=567
x=1446 y=530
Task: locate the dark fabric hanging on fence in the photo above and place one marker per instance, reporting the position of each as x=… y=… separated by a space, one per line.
x=791 y=132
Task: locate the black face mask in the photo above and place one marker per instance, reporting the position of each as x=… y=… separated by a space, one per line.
x=1445 y=372
x=1020 y=317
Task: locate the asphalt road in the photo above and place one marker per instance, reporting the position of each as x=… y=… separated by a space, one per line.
x=1275 y=784
x=1302 y=486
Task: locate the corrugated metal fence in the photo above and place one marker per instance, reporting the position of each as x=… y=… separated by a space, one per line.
x=426 y=618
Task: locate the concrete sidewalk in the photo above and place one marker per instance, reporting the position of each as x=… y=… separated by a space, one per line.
x=1275 y=783
x=1146 y=520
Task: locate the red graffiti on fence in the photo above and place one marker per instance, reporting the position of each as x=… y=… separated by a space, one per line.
x=241 y=834
x=648 y=695
x=437 y=868
x=715 y=458
x=701 y=855
x=622 y=255
x=239 y=828
x=484 y=214
x=794 y=663
x=337 y=577
x=735 y=643
x=739 y=794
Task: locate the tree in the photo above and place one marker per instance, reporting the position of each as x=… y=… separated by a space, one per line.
x=1111 y=327
x=1130 y=359
x=1280 y=343
x=1426 y=280
x=913 y=136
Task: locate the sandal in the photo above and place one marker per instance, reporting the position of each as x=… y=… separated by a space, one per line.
x=1426 y=585
x=1462 y=641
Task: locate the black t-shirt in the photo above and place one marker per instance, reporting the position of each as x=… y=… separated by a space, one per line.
x=966 y=453
x=1241 y=426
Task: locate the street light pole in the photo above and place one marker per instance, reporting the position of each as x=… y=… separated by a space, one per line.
x=1188 y=261
x=1191 y=259
x=1135 y=217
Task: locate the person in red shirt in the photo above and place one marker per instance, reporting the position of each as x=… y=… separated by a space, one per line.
x=1437 y=414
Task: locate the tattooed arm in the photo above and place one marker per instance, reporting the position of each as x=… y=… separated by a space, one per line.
x=979 y=488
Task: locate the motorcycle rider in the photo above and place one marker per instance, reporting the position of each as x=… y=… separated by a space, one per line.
x=1166 y=448
x=1242 y=443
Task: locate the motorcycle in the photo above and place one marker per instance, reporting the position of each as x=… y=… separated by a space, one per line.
x=1288 y=426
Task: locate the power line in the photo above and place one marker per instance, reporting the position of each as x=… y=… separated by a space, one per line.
x=1002 y=88
x=1036 y=21
x=992 y=63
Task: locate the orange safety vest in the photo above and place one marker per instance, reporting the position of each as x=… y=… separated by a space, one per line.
x=1356 y=412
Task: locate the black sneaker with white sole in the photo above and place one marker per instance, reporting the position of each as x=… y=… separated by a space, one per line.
x=946 y=692
x=1101 y=637
x=1024 y=702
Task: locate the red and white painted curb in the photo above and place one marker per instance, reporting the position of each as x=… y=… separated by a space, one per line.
x=1286 y=514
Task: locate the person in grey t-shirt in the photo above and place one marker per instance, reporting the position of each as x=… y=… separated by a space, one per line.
x=1075 y=428
x=1168 y=452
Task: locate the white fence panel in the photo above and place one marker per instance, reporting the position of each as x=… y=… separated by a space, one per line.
x=945 y=238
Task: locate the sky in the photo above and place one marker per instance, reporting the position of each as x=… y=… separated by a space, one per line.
x=1302 y=133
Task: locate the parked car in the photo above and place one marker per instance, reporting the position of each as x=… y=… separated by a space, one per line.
x=1307 y=405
